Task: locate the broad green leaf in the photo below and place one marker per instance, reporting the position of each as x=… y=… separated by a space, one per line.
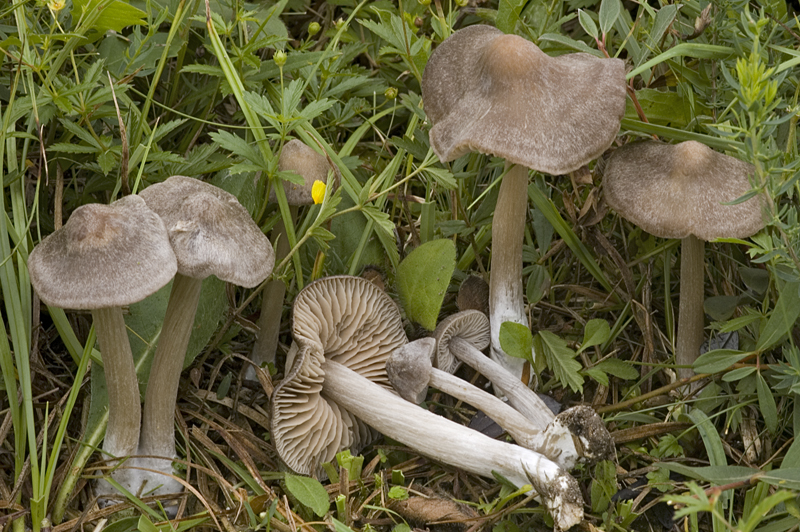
x=710 y=436
x=782 y=318
x=618 y=368
x=665 y=107
x=720 y=308
x=793 y=454
x=783 y=477
x=560 y=359
x=696 y=50
x=353 y=464
x=596 y=332
x=718 y=360
x=756 y=279
x=309 y=492
x=766 y=403
x=609 y=11
x=508 y=14
x=114 y=15
x=597 y=374
x=718 y=475
x=422 y=280
x=663 y=20
x=398 y=493
x=587 y=23
x=538 y=284
x=516 y=340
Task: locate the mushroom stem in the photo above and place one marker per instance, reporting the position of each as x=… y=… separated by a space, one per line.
x=158 y=423
x=505 y=281
x=520 y=396
x=690 y=309
x=124 y=407
x=454 y=444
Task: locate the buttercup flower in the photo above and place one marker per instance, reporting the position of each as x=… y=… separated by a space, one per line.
x=318 y=192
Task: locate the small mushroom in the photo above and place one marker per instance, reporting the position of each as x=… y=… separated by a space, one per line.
x=301 y=159
x=211 y=234
x=501 y=95
x=411 y=372
x=336 y=386
x=578 y=433
x=105 y=257
x=680 y=191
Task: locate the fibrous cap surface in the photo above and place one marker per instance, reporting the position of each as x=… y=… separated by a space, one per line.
x=674 y=191
x=211 y=232
x=499 y=94
x=104 y=256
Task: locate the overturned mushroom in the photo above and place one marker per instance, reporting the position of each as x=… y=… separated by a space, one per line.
x=578 y=433
x=679 y=191
x=500 y=94
x=105 y=257
x=344 y=329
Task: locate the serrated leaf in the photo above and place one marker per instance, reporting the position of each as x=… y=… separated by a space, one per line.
x=782 y=318
x=596 y=332
x=516 y=340
x=609 y=11
x=560 y=359
x=588 y=24
x=442 y=177
x=65 y=147
x=106 y=160
x=309 y=492
x=422 y=280
x=237 y=145
x=766 y=403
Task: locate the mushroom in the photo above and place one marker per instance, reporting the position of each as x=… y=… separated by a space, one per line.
x=411 y=372
x=211 y=234
x=336 y=386
x=576 y=434
x=301 y=159
x=105 y=257
x=679 y=191
x=501 y=95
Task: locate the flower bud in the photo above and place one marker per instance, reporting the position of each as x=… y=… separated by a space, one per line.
x=390 y=93
x=56 y=5
x=318 y=192
x=279 y=58
x=339 y=23
x=313 y=29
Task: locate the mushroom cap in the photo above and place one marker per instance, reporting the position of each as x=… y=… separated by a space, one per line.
x=303 y=160
x=500 y=94
x=348 y=320
x=409 y=369
x=471 y=325
x=104 y=256
x=210 y=231
x=473 y=294
x=674 y=191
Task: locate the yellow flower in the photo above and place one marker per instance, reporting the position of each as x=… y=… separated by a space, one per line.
x=56 y=5
x=318 y=191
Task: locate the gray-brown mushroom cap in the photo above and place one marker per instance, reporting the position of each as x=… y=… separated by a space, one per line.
x=471 y=325
x=347 y=320
x=674 y=191
x=499 y=94
x=303 y=160
x=104 y=256
x=211 y=232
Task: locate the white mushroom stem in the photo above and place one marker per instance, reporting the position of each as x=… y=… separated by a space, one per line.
x=454 y=444
x=690 y=309
x=124 y=407
x=505 y=281
x=158 y=422
x=520 y=396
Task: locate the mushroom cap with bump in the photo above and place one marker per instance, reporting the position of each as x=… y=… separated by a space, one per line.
x=211 y=232
x=673 y=191
x=470 y=325
x=104 y=256
x=303 y=160
x=348 y=320
x=499 y=94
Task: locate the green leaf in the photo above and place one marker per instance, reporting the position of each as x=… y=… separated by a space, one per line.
x=422 y=280
x=596 y=332
x=309 y=492
x=710 y=436
x=618 y=368
x=538 y=283
x=516 y=340
x=783 y=317
x=720 y=308
x=588 y=24
x=609 y=11
x=560 y=359
x=398 y=493
x=766 y=403
x=508 y=14
x=114 y=15
x=718 y=360
x=699 y=51
x=755 y=279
